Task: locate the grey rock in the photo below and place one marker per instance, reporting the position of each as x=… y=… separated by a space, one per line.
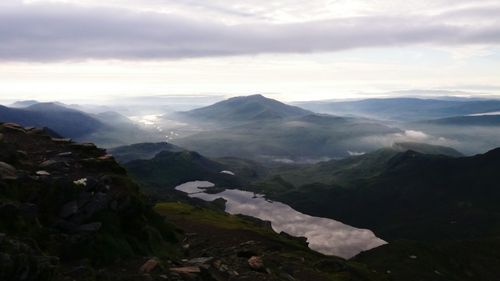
x=201 y=260
x=13 y=127
x=29 y=210
x=42 y=173
x=68 y=209
x=113 y=205
x=89 y=227
x=53 y=163
x=7 y=171
x=9 y=209
x=83 y=199
x=97 y=202
x=61 y=140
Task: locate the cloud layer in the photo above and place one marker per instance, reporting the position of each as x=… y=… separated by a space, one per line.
x=47 y=32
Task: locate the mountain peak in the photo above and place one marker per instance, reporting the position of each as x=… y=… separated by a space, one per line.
x=245 y=109
x=256 y=96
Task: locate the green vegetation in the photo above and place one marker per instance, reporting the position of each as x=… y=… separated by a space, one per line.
x=442 y=209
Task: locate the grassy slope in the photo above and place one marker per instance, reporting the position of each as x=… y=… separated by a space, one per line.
x=227 y=230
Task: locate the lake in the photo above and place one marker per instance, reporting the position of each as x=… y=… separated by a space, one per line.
x=324 y=235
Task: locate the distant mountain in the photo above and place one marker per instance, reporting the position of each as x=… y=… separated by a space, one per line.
x=23 y=103
x=403 y=109
x=65 y=121
x=245 y=109
x=301 y=139
x=141 y=151
x=480 y=120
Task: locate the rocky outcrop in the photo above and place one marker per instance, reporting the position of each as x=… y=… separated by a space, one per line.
x=61 y=202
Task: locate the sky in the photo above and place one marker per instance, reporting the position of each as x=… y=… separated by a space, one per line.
x=103 y=50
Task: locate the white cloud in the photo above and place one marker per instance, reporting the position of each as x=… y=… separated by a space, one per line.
x=44 y=32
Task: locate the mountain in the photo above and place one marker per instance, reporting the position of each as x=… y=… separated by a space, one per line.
x=64 y=121
x=307 y=138
x=170 y=168
x=347 y=172
x=141 y=151
x=479 y=120
x=403 y=109
x=245 y=109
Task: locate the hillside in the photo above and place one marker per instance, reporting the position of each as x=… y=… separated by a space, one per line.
x=390 y=186
x=440 y=209
x=141 y=151
x=348 y=171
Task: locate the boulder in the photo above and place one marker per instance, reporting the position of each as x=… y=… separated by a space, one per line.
x=29 y=210
x=149 y=265
x=256 y=263
x=42 y=173
x=53 y=164
x=201 y=260
x=61 y=140
x=68 y=209
x=65 y=154
x=186 y=269
x=7 y=171
x=89 y=227
x=13 y=127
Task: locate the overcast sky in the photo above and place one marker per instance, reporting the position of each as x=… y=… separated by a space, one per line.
x=288 y=49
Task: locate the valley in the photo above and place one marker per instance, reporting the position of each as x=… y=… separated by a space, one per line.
x=363 y=198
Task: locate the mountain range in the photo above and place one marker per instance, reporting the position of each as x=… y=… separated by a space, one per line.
x=404 y=109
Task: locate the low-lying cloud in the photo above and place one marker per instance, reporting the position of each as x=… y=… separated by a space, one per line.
x=47 y=32
x=389 y=140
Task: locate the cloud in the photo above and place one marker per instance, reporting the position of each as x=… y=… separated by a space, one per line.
x=389 y=140
x=48 y=32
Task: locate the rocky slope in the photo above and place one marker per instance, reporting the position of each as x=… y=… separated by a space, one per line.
x=69 y=209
